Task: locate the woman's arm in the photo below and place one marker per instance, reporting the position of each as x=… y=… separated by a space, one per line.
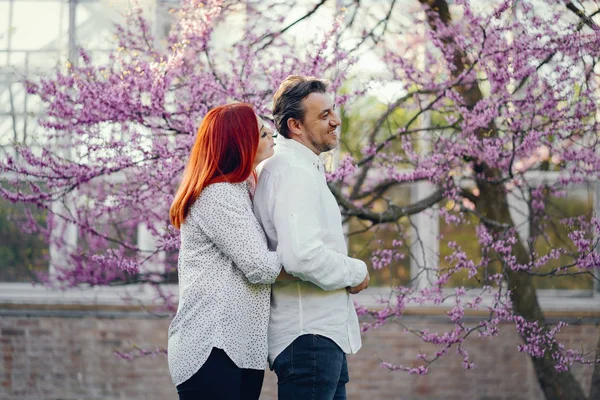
x=225 y=216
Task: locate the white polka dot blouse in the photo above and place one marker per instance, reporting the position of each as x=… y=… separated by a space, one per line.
x=225 y=272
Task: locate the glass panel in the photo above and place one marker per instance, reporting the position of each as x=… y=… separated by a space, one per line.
x=93 y=25
x=33 y=107
x=20 y=129
x=165 y=17
x=44 y=19
x=10 y=130
x=369 y=243
x=23 y=254
x=99 y=57
x=4 y=26
x=45 y=61
x=13 y=99
x=553 y=234
x=28 y=134
x=4 y=102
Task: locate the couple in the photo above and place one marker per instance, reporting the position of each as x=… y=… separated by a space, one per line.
x=230 y=318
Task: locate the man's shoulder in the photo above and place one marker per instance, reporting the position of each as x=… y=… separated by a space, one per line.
x=285 y=162
x=279 y=161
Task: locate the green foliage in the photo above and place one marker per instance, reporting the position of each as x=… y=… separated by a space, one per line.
x=358 y=121
x=552 y=234
x=22 y=255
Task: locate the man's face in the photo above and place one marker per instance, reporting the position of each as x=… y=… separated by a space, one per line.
x=320 y=122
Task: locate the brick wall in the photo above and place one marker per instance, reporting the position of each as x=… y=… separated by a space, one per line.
x=71 y=357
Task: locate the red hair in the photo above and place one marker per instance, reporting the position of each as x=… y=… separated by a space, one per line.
x=224 y=151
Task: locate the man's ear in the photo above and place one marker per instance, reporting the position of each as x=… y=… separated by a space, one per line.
x=294 y=126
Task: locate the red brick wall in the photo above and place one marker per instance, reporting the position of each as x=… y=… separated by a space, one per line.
x=72 y=358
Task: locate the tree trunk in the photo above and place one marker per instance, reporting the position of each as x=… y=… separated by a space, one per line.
x=493 y=204
x=555 y=385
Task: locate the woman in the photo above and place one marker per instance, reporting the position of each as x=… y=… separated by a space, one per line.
x=218 y=338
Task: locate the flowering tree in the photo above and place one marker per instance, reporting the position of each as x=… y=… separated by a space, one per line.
x=494 y=98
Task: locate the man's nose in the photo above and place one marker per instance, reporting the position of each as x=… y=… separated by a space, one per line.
x=336 y=121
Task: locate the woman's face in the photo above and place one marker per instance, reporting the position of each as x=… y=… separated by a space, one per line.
x=265 y=142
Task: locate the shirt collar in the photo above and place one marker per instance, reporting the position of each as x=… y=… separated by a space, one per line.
x=303 y=151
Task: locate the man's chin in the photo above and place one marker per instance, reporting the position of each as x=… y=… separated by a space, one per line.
x=326 y=148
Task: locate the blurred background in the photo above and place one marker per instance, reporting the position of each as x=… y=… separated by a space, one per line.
x=63 y=344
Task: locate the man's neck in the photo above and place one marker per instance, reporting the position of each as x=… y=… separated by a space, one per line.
x=300 y=140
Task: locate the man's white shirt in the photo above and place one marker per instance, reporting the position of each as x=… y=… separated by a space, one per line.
x=303 y=223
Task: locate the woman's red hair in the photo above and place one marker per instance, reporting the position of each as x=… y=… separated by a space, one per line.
x=224 y=151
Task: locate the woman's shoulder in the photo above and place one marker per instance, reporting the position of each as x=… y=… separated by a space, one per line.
x=221 y=193
x=219 y=189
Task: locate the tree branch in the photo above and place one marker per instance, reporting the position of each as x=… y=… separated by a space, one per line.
x=392 y=214
x=272 y=35
x=584 y=18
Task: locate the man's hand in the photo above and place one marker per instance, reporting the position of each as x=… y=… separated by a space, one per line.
x=362 y=286
x=284 y=276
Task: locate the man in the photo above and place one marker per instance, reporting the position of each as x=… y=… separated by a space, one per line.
x=313 y=323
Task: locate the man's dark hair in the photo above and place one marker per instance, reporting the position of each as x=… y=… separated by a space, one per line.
x=287 y=102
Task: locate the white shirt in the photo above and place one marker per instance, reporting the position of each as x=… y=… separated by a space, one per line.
x=225 y=272
x=303 y=222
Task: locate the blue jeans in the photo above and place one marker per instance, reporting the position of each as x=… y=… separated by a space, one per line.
x=313 y=367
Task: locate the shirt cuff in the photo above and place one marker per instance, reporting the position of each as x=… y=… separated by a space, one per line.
x=360 y=272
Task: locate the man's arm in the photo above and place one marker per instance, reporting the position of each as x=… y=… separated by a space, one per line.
x=300 y=246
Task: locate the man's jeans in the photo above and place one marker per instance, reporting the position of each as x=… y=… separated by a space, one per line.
x=313 y=367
